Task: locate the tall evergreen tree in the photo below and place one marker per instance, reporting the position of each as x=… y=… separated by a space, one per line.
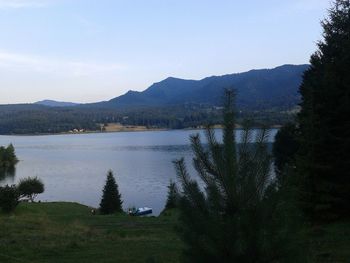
x=284 y=150
x=235 y=214
x=323 y=160
x=111 y=201
x=172 y=198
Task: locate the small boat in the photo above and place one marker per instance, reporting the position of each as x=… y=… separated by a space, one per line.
x=141 y=211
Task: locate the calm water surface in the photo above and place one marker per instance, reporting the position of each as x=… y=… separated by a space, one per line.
x=74 y=167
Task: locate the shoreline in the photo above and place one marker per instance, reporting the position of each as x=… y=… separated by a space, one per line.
x=239 y=127
x=81 y=133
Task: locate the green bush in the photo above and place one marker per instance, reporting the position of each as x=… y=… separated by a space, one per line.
x=8 y=198
x=30 y=187
x=8 y=157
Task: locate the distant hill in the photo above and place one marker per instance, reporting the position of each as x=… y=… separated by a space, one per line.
x=53 y=103
x=265 y=96
x=261 y=89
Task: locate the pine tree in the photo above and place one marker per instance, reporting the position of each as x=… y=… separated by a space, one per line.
x=323 y=160
x=172 y=198
x=235 y=214
x=111 y=201
x=284 y=149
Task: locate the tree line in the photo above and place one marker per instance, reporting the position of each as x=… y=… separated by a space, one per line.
x=36 y=119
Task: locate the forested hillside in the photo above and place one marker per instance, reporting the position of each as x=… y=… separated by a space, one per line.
x=256 y=90
x=267 y=96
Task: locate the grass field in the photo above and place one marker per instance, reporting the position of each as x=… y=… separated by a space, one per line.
x=67 y=232
x=329 y=243
x=116 y=127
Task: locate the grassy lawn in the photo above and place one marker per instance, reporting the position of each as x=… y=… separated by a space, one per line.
x=330 y=243
x=67 y=232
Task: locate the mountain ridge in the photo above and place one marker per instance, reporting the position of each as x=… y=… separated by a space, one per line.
x=258 y=86
x=267 y=96
x=257 y=89
x=55 y=103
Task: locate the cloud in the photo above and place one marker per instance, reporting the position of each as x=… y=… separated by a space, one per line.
x=28 y=63
x=10 y=4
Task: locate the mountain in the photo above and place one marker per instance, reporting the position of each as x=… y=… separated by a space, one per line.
x=261 y=89
x=264 y=96
x=53 y=103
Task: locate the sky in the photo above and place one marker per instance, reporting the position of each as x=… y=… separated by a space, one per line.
x=95 y=50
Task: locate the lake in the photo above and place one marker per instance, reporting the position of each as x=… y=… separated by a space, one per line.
x=74 y=167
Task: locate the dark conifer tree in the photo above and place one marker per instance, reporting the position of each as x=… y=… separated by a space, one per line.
x=172 y=198
x=235 y=214
x=284 y=149
x=323 y=160
x=111 y=201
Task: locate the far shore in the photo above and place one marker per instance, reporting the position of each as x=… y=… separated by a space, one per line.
x=115 y=128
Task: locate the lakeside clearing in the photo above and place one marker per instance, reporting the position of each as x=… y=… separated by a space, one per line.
x=68 y=232
x=117 y=127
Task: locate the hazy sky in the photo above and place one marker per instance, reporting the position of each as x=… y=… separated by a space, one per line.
x=93 y=50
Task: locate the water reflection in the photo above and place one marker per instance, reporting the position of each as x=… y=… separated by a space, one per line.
x=156 y=148
x=7 y=175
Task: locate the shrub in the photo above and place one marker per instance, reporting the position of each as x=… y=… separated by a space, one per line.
x=8 y=157
x=30 y=187
x=8 y=198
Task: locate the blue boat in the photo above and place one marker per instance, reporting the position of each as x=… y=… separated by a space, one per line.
x=141 y=211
